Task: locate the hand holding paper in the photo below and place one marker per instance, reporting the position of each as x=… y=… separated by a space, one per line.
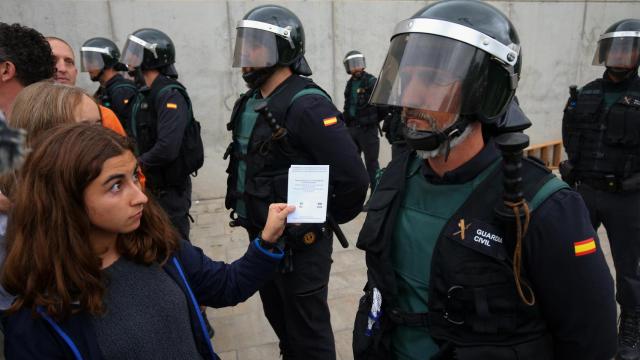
x=308 y=191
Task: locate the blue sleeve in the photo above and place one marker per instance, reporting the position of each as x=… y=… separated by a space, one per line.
x=217 y=284
x=173 y=117
x=329 y=143
x=574 y=291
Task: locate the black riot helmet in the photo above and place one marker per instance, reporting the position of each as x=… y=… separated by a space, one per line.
x=464 y=54
x=619 y=46
x=354 y=60
x=97 y=54
x=150 y=49
x=270 y=35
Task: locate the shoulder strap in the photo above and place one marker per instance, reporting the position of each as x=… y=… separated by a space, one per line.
x=551 y=186
x=194 y=303
x=281 y=101
x=60 y=332
x=634 y=89
x=182 y=91
x=591 y=88
x=310 y=91
x=123 y=85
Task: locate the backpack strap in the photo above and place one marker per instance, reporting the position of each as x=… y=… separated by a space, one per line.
x=551 y=186
x=309 y=91
x=60 y=332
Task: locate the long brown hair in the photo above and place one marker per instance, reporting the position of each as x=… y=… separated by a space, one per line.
x=50 y=261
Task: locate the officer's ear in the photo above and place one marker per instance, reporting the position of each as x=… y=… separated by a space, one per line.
x=7 y=71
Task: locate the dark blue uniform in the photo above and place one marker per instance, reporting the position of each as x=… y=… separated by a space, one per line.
x=602 y=138
x=118 y=95
x=160 y=128
x=295 y=302
x=574 y=312
x=362 y=120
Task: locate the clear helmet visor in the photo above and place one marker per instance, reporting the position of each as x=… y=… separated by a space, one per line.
x=90 y=61
x=618 y=52
x=354 y=62
x=133 y=52
x=433 y=73
x=255 y=48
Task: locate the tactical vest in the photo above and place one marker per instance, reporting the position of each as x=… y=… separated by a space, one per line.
x=366 y=114
x=106 y=97
x=473 y=300
x=267 y=160
x=144 y=130
x=603 y=142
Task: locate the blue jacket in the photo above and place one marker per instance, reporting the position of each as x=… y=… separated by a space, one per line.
x=204 y=281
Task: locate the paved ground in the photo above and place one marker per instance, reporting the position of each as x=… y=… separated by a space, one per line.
x=242 y=332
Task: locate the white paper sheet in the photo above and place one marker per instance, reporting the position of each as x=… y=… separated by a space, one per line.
x=308 y=190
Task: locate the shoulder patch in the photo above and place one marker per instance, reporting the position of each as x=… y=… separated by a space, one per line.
x=330 y=121
x=172 y=106
x=584 y=247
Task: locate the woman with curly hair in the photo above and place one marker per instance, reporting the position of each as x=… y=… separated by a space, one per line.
x=98 y=270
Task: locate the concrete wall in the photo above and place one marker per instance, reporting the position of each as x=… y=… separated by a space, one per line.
x=558 y=41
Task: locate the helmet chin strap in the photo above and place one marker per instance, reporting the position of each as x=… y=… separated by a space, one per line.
x=258 y=77
x=428 y=141
x=622 y=73
x=138 y=78
x=97 y=77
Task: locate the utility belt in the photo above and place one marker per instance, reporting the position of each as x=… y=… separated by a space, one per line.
x=401 y=317
x=611 y=183
x=295 y=238
x=534 y=349
x=538 y=348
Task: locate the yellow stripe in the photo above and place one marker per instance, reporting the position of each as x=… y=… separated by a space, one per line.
x=585 y=247
x=330 y=121
x=172 y=106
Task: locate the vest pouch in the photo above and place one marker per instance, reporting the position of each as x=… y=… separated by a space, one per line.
x=586 y=110
x=632 y=126
x=570 y=133
x=258 y=194
x=373 y=226
x=615 y=132
x=370 y=344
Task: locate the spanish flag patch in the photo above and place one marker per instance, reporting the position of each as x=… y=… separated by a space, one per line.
x=172 y=106
x=584 y=247
x=330 y=121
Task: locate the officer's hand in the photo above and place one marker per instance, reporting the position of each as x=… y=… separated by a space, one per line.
x=276 y=220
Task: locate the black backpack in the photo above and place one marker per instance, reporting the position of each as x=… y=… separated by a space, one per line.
x=191 y=157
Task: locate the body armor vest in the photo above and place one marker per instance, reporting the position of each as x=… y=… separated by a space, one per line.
x=267 y=160
x=473 y=301
x=603 y=142
x=366 y=114
x=123 y=110
x=143 y=126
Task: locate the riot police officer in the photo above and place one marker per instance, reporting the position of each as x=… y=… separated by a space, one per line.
x=100 y=58
x=283 y=119
x=361 y=117
x=167 y=137
x=473 y=252
x=601 y=134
